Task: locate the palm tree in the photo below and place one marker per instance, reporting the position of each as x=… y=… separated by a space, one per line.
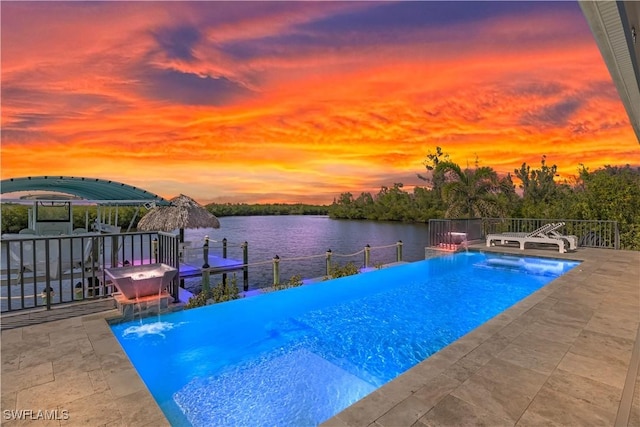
x=469 y=192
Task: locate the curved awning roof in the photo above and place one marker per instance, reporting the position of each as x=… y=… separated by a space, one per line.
x=93 y=189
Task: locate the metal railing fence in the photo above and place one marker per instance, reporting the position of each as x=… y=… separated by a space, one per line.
x=590 y=233
x=41 y=271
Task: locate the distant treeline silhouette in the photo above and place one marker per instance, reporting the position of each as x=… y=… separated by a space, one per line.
x=607 y=193
x=245 y=209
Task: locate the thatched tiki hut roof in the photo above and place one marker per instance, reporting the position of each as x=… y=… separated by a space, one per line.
x=183 y=212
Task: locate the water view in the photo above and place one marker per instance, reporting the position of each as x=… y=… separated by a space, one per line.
x=290 y=236
x=295 y=236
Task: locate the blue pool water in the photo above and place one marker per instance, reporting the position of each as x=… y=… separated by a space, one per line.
x=299 y=356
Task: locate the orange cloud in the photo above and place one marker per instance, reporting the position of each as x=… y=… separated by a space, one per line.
x=258 y=104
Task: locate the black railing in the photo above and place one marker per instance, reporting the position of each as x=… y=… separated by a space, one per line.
x=589 y=233
x=41 y=271
x=168 y=252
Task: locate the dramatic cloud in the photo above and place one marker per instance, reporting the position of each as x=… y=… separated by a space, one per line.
x=178 y=43
x=556 y=115
x=299 y=101
x=189 y=89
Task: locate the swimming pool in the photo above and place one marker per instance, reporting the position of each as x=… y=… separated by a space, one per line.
x=299 y=356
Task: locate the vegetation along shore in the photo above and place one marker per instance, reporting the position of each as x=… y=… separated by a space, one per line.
x=450 y=191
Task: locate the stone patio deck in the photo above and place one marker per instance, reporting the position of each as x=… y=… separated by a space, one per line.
x=566 y=355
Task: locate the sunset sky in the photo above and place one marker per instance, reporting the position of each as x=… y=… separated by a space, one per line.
x=300 y=101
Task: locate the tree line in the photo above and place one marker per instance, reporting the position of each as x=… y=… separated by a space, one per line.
x=450 y=191
x=244 y=209
x=15 y=216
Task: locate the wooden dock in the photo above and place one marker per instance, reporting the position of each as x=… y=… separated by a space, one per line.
x=217 y=265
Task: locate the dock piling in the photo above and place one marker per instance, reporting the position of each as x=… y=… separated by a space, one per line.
x=206 y=280
x=367 y=255
x=224 y=255
x=276 y=270
x=205 y=252
x=245 y=269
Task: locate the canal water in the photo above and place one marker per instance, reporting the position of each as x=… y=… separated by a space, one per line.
x=301 y=236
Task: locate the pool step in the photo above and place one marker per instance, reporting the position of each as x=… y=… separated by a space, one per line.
x=269 y=391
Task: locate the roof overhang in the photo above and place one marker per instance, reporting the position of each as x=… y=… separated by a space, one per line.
x=616 y=28
x=89 y=189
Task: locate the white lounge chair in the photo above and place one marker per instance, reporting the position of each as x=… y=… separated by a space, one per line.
x=570 y=238
x=540 y=235
x=537 y=232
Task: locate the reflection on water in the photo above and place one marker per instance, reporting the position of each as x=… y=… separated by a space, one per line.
x=291 y=236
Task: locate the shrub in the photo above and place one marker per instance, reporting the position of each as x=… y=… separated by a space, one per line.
x=293 y=282
x=221 y=292
x=349 y=269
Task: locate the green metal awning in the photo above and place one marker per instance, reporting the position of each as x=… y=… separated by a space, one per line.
x=93 y=189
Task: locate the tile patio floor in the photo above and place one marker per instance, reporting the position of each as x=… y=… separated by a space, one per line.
x=566 y=355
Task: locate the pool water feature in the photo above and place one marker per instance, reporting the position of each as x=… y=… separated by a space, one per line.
x=136 y=281
x=299 y=356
